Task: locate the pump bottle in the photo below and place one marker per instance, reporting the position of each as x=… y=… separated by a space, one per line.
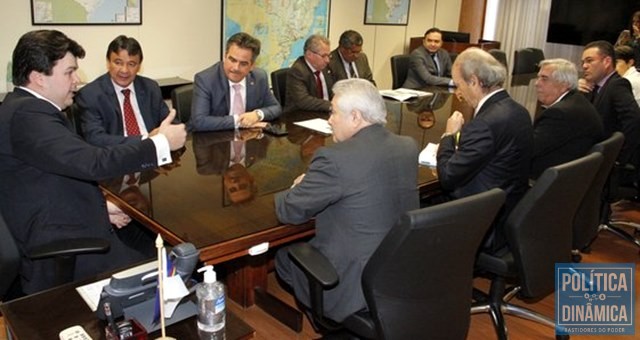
x=211 y=306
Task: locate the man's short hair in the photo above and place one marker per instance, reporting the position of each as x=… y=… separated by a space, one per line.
x=314 y=42
x=246 y=41
x=359 y=94
x=350 y=38
x=604 y=48
x=624 y=53
x=432 y=30
x=564 y=71
x=129 y=44
x=40 y=51
x=474 y=61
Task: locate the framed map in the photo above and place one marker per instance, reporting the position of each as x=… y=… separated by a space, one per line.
x=281 y=25
x=86 y=12
x=387 y=12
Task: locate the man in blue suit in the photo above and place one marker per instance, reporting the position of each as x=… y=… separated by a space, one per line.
x=101 y=103
x=233 y=93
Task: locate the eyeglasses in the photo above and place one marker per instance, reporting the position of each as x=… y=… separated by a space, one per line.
x=323 y=56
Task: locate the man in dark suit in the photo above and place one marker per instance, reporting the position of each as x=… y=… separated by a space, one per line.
x=356 y=189
x=233 y=93
x=48 y=173
x=569 y=125
x=612 y=96
x=348 y=60
x=492 y=150
x=429 y=64
x=101 y=102
x=309 y=80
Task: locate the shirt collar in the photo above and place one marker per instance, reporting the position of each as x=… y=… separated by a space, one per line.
x=39 y=96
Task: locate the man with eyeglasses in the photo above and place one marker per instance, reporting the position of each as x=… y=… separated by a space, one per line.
x=611 y=95
x=121 y=106
x=309 y=80
x=232 y=93
x=348 y=60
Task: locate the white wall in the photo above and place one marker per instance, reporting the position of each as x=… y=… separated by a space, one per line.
x=179 y=38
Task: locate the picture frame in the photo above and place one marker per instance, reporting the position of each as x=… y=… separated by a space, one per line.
x=113 y=12
x=382 y=12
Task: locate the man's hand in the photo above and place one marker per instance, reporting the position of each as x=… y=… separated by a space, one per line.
x=176 y=134
x=454 y=123
x=117 y=217
x=247 y=119
x=584 y=86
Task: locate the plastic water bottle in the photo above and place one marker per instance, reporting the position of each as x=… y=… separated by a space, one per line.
x=211 y=306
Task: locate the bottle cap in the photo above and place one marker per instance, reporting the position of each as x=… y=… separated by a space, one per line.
x=209 y=274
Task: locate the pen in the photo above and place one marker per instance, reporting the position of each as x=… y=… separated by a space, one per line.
x=112 y=324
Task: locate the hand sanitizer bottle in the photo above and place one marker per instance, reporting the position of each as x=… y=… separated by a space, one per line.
x=211 y=306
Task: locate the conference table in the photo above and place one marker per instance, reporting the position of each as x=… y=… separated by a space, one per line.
x=227 y=212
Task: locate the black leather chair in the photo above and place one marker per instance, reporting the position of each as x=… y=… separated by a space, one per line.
x=399 y=69
x=63 y=251
x=595 y=209
x=279 y=84
x=419 y=278
x=526 y=60
x=499 y=55
x=181 y=101
x=538 y=233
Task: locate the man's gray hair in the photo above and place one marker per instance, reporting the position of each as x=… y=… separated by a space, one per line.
x=359 y=94
x=564 y=71
x=474 y=61
x=314 y=42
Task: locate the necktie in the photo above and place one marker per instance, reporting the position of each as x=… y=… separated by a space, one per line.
x=237 y=151
x=352 y=71
x=319 y=85
x=130 y=122
x=435 y=62
x=594 y=93
x=238 y=102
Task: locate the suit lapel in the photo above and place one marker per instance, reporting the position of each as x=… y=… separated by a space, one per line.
x=251 y=94
x=107 y=87
x=144 y=101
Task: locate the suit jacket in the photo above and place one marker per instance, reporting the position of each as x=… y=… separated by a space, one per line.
x=211 y=99
x=101 y=113
x=494 y=151
x=361 y=63
x=48 y=177
x=422 y=69
x=356 y=193
x=565 y=131
x=301 y=88
x=619 y=112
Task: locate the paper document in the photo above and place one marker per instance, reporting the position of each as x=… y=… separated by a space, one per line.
x=403 y=94
x=316 y=124
x=428 y=155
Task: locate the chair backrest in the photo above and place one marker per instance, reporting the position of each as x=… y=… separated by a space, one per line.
x=9 y=259
x=279 y=84
x=539 y=228
x=181 y=100
x=499 y=55
x=399 y=69
x=420 y=277
x=526 y=60
x=588 y=217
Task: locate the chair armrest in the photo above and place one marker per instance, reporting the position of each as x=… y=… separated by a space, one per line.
x=69 y=247
x=314 y=264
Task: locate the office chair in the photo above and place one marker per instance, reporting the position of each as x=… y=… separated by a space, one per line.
x=500 y=56
x=419 y=277
x=594 y=210
x=181 y=101
x=63 y=251
x=525 y=61
x=538 y=233
x=279 y=84
x=399 y=69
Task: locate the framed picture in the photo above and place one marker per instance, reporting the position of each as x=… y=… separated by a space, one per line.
x=281 y=25
x=112 y=12
x=385 y=12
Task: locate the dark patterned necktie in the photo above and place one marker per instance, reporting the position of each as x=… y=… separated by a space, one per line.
x=319 y=91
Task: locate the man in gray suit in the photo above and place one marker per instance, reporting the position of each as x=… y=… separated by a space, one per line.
x=430 y=64
x=348 y=60
x=356 y=189
x=217 y=88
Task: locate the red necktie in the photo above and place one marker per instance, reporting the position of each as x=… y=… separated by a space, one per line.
x=130 y=122
x=319 y=85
